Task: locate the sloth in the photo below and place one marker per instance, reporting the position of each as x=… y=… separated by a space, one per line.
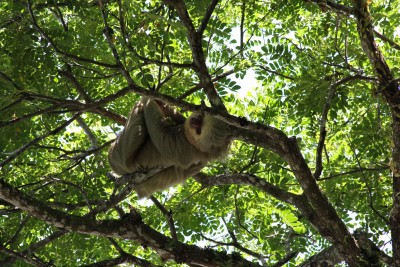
x=158 y=136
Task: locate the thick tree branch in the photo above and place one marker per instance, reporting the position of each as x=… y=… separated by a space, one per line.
x=130 y=227
x=366 y=33
x=327 y=257
x=332 y=227
x=331 y=257
x=125 y=258
x=335 y=7
x=207 y=17
x=195 y=42
x=389 y=88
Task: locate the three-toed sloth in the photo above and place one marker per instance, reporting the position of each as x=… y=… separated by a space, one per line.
x=157 y=136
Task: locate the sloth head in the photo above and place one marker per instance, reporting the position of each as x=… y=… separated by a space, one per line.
x=207 y=133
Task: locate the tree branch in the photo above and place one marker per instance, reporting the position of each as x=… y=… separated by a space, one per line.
x=386 y=39
x=168 y=216
x=338 y=8
x=20 y=150
x=109 y=38
x=27 y=253
x=389 y=88
x=195 y=42
x=125 y=258
x=130 y=227
x=323 y=121
x=207 y=17
x=59 y=51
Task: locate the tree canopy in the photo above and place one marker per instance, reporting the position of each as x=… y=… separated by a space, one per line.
x=309 y=88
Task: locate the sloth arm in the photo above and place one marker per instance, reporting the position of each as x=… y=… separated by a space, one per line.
x=169 y=140
x=128 y=143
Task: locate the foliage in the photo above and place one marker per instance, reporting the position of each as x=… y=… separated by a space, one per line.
x=272 y=62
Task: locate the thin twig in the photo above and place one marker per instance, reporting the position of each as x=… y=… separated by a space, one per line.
x=168 y=216
x=20 y=150
x=59 y=51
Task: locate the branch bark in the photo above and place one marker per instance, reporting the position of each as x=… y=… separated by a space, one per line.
x=329 y=224
x=389 y=88
x=129 y=227
x=195 y=42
